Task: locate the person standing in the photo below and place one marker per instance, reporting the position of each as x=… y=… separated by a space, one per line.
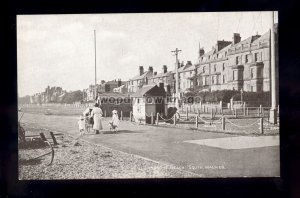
x=97 y=116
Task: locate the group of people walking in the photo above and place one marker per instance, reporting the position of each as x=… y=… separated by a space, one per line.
x=94 y=116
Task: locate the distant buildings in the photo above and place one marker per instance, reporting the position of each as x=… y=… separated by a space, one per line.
x=104 y=87
x=51 y=94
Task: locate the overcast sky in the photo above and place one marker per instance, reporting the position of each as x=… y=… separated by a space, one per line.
x=58 y=50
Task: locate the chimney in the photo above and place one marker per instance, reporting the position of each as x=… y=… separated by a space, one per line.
x=201 y=52
x=236 y=38
x=161 y=85
x=165 y=69
x=150 y=69
x=141 y=70
x=119 y=82
x=155 y=73
x=182 y=64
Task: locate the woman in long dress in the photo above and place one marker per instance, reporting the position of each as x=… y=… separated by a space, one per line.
x=97 y=116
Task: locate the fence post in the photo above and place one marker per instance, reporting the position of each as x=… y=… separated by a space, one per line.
x=260 y=108
x=152 y=118
x=244 y=108
x=258 y=112
x=196 y=122
x=130 y=116
x=174 y=119
x=212 y=113
x=187 y=113
x=223 y=123
x=247 y=111
x=157 y=118
x=121 y=115
x=235 y=114
x=221 y=105
x=198 y=112
x=261 y=125
x=201 y=105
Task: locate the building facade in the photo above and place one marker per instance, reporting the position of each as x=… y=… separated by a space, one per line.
x=230 y=65
x=137 y=82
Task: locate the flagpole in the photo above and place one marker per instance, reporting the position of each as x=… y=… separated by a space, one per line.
x=95 y=90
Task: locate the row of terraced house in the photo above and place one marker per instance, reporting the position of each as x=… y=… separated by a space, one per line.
x=230 y=65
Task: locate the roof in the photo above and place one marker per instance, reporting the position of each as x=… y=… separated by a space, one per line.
x=248 y=40
x=140 y=76
x=120 y=87
x=161 y=75
x=209 y=53
x=265 y=36
x=141 y=92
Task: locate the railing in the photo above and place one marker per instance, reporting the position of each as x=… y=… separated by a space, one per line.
x=236 y=122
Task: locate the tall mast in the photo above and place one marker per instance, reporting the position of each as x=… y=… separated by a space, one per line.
x=95 y=90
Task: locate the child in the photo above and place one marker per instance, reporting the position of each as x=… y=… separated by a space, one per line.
x=81 y=125
x=114 y=121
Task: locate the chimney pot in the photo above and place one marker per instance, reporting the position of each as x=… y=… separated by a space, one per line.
x=236 y=38
x=141 y=70
x=150 y=69
x=165 y=69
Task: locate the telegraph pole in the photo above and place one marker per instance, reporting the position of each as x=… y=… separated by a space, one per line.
x=176 y=51
x=273 y=110
x=95 y=90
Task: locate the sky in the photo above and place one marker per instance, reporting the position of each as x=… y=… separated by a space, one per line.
x=59 y=50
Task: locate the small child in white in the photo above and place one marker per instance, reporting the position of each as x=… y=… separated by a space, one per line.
x=114 y=123
x=81 y=125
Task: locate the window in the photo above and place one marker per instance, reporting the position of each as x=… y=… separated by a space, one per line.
x=234 y=75
x=215 y=68
x=223 y=79
x=223 y=66
x=204 y=69
x=190 y=73
x=247 y=58
x=252 y=73
x=212 y=80
x=225 y=54
x=252 y=88
x=260 y=73
x=237 y=60
x=256 y=57
x=138 y=101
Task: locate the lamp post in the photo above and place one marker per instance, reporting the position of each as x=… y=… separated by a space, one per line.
x=176 y=51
